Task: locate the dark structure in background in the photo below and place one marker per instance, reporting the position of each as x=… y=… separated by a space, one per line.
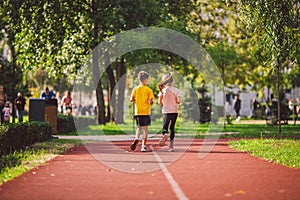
x=44 y=110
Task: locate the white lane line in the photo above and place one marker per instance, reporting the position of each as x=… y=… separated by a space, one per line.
x=177 y=190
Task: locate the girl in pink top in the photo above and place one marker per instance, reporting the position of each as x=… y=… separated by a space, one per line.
x=169 y=98
x=7 y=112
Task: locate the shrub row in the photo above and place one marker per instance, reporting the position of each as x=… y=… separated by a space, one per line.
x=66 y=123
x=20 y=135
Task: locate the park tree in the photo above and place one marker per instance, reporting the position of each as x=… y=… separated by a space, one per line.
x=226 y=58
x=108 y=18
x=276 y=32
x=10 y=68
x=131 y=15
x=45 y=40
x=55 y=37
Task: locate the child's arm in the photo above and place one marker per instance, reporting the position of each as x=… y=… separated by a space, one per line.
x=151 y=101
x=151 y=97
x=132 y=96
x=160 y=98
x=132 y=99
x=178 y=100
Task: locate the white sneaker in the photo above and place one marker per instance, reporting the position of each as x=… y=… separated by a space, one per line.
x=143 y=149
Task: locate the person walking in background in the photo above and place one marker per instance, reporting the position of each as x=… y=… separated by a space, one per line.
x=66 y=103
x=143 y=97
x=255 y=107
x=47 y=94
x=297 y=110
x=169 y=98
x=2 y=103
x=6 y=112
x=237 y=107
x=20 y=105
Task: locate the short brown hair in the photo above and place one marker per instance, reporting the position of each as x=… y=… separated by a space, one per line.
x=143 y=76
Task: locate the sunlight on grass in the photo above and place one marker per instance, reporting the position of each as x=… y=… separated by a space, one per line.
x=187 y=128
x=197 y=130
x=16 y=163
x=285 y=151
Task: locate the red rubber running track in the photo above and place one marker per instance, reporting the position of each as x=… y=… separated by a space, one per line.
x=223 y=174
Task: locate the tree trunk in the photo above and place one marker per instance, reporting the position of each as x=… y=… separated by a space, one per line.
x=111 y=92
x=11 y=41
x=99 y=91
x=224 y=96
x=121 y=86
x=278 y=98
x=96 y=70
x=100 y=104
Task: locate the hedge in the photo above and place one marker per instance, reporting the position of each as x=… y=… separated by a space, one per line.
x=66 y=123
x=17 y=136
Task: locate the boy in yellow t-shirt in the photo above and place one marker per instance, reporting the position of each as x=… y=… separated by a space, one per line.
x=143 y=97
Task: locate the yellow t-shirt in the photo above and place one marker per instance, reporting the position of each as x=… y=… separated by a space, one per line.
x=142 y=95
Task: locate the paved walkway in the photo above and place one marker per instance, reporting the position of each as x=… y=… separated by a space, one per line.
x=128 y=137
x=109 y=170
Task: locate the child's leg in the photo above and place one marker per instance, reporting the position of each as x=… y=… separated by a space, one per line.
x=145 y=135
x=166 y=122
x=138 y=132
x=136 y=139
x=173 y=118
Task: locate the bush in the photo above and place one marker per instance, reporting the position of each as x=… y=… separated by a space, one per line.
x=19 y=136
x=66 y=123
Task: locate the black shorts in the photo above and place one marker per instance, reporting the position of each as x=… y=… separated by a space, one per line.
x=143 y=120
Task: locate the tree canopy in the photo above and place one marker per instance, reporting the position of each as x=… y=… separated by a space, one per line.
x=250 y=41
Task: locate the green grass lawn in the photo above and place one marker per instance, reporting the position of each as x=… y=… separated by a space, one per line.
x=263 y=130
x=187 y=128
x=198 y=130
x=284 y=151
x=16 y=163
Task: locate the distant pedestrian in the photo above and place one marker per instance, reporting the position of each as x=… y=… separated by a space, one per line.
x=255 y=107
x=298 y=105
x=2 y=104
x=297 y=109
x=143 y=97
x=6 y=112
x=20 y=106
x=169 y=98
x=47 y=94
x=66 y=103
x=237 y=107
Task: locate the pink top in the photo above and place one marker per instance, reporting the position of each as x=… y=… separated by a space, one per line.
x=66 y=100
x=170 y=99
x=7 y=112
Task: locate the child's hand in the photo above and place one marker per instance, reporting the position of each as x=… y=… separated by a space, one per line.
x=151 y=101
x=132 y=99
x=160 y=87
